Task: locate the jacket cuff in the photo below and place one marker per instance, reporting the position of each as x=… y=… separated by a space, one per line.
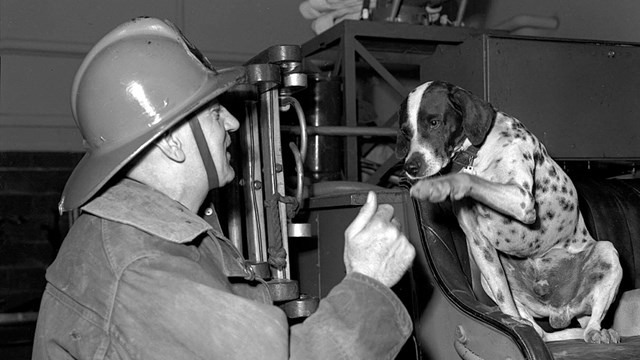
x=405 y=325
x=383 y=320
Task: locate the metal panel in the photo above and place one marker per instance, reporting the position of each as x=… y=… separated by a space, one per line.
x=578 y=97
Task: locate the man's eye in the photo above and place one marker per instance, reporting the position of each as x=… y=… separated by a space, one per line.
x=215 y=111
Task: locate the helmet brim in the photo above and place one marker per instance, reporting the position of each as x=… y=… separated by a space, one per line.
x=96 y=168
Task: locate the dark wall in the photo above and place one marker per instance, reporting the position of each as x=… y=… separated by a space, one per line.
x=31 y=228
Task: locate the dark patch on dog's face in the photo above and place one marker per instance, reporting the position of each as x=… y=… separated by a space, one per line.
x=405 y=133
x=439 y=120
x=477 y=115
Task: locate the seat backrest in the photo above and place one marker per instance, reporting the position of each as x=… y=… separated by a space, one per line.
x=611 y=210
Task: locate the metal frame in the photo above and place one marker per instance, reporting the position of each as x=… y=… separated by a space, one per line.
x=381 y=46
x=268 y=74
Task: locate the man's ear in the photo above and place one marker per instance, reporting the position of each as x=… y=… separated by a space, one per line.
x=171 y=146
x=477 y=114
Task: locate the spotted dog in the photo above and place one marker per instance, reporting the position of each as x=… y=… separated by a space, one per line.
x=517 y=208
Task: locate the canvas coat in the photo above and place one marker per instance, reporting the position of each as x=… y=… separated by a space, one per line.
x=139 y=276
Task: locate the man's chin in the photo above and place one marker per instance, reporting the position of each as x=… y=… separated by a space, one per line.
x=227 y=178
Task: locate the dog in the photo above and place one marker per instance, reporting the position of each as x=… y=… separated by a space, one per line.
x=517 y=208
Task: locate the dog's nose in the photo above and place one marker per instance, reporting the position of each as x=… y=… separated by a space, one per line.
x=412 y=167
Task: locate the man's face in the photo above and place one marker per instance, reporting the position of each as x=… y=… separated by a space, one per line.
x=217 y=123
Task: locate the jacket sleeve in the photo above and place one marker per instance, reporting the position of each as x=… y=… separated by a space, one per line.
x=168 y=307
x=359 y=319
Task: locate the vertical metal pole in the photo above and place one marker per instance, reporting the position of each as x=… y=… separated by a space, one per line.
x=350 y=106
x=273 y=167
x=252 y=175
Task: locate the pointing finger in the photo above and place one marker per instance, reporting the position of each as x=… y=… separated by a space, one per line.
x=367 y=211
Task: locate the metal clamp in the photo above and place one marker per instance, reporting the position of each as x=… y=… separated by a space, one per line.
x=283 y=289
x=302 y=307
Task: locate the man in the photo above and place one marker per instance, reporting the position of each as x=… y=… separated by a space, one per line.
x=140 y=275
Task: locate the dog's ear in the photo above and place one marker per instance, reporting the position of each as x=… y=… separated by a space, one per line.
x=477 y=114
x=402 y=146
x=402 y=143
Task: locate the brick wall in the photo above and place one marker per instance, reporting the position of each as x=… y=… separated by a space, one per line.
x=31 y=229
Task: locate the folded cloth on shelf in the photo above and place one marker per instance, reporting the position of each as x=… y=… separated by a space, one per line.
x=327 y=13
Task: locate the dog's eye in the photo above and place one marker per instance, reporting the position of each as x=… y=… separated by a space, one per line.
x=434 y=123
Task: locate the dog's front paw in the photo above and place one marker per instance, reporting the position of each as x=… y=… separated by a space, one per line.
x=603 y=336
x=454 y=186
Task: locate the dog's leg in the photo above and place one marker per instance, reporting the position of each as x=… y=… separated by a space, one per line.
x=510 y=199
x=601 y=275
x=526 y=315
x=493 y=279
x=603 y=278
x=606 y=336
x=566 y=334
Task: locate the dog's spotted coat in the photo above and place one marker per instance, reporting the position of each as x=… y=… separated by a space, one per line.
x=517 y=207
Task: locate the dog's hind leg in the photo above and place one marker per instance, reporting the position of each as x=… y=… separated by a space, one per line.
x=526 y=315
x=566 y=334
x=494 y=280
x=606 y=336
x=603 y=274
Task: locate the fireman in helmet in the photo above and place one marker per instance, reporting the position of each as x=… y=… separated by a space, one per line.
x=140 y=275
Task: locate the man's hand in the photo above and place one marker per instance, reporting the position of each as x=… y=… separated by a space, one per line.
x=437 y=189
x=375 y=246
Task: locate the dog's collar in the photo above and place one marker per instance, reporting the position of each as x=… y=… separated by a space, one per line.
x=463 y=156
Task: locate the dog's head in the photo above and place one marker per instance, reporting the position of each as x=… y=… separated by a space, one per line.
x=434 y=120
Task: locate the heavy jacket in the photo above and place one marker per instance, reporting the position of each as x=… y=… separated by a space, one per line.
x=139 y=276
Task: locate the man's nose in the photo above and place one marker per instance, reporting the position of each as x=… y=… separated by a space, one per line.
x=231 y=124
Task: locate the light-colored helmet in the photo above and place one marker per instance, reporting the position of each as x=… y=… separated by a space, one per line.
x=136 y=83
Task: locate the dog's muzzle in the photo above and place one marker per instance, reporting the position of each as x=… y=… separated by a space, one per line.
x=413 y=166
x=418 y=166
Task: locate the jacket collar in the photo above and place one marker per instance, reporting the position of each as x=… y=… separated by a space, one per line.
x=138 y=205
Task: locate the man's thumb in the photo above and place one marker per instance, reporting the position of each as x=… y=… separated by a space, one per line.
x=366 y=213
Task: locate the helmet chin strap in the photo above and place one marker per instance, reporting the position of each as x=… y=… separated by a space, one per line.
x=205 y=154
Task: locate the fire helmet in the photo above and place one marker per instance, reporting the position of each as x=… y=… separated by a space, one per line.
x=138 y=81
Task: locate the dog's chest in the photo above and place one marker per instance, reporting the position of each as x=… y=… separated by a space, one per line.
x=511 y=236
x=522 y=162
